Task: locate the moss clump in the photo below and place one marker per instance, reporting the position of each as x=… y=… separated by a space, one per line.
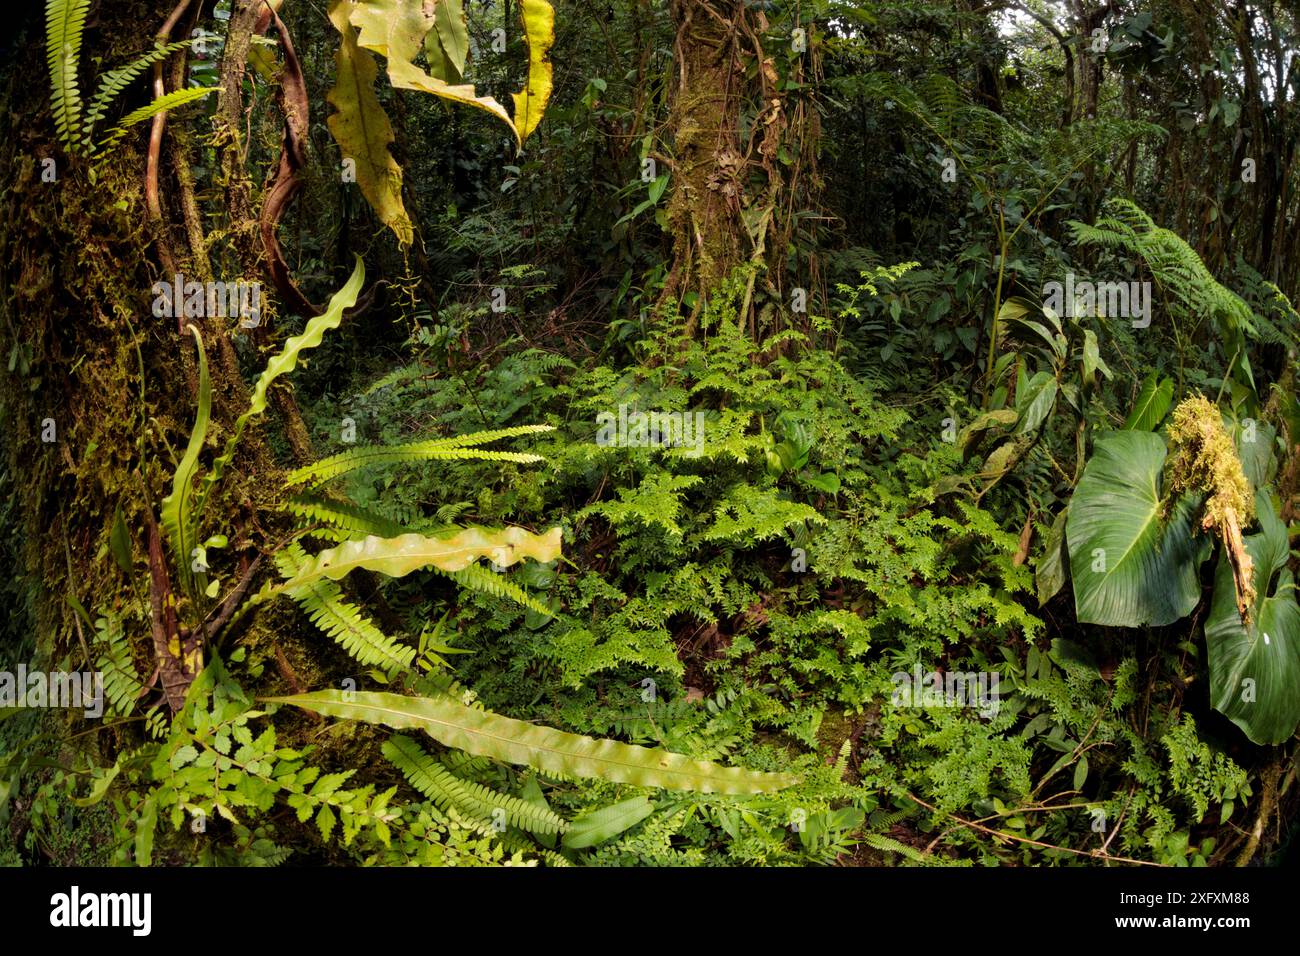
x=1204 y=459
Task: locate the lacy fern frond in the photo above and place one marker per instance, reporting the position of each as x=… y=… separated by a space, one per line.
x=356 y=633
x=448 y=791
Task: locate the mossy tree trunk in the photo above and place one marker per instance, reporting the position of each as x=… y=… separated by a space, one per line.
x=99 y=403
x=743 y=160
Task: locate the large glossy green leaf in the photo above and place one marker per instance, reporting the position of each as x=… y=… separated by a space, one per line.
x=1152 y=404
x=1255 y=666
x=486 y=734
x=1130 y=563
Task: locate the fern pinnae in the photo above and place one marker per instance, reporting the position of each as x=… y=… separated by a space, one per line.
x=149 y=110
x=372 y=455
x=476 y=577
x=342 y=516
x=436 y=782
x=355 y=632
x=114 y=82
x=65 y=22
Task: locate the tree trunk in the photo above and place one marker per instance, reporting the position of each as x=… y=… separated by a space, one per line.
x=734 y=200
x=100 y=408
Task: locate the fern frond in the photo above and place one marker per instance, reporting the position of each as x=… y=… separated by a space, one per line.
x=890 y=845
x=476 y=577
x=458 y=448
x=112 y=83
x=65 y=22
x=170 y=101
x=495 y=434
x=343 y=516
x=122 y=684
x=398 y=376
x=466 y=765
x=356 y=633
x=447 y=791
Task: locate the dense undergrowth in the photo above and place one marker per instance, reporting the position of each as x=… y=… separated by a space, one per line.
x=918 y=565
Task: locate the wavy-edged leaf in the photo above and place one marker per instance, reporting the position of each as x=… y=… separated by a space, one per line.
x=1152 y=404
x=486 y=734
x=539 y=30
x=179 y=515
x=451 y=34
x=607 y=822
x=409 y=552
x=1130 y=565
x=1255 y=666
x=283 y=363
x=361 y=127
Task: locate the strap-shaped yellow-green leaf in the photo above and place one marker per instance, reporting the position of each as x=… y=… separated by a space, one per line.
x=179 y=516
x=539 y=28
x=486 y=734
x=361 y=127
x=409 y=552
x=395 y=29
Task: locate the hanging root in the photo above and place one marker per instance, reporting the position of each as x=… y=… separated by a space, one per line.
x=1204 y=459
